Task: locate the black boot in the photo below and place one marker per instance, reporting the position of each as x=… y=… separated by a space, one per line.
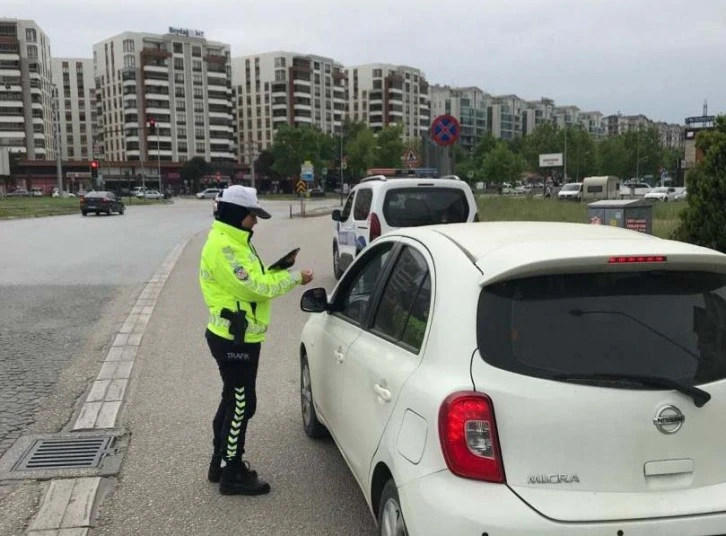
x=215 y=469
x=240 y=480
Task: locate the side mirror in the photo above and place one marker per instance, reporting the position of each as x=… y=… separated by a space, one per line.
x=314 y=300
x=336 y=215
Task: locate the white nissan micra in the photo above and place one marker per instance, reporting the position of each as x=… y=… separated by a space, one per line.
x=526 y=378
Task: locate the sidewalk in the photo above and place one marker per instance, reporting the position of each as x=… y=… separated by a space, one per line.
x=162 y=488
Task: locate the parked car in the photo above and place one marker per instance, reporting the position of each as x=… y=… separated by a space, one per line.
x=19 y=192
x=663 y=193
x=635 y=189
x=209 y=193
x=379 y=204
x=525 y=378
x=570 y=192
x=683 y=194
x=98 y=202
x=317 y=192
x=150 y=194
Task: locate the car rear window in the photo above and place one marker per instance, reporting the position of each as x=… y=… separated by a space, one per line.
x=411 y=207
x=662 y=323
x=96 y=194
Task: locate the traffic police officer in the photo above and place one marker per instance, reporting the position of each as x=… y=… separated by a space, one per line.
x=238 y=289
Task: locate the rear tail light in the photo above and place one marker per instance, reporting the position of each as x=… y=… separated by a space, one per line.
x=468 y=435
x=635 y=259
x=375 y=226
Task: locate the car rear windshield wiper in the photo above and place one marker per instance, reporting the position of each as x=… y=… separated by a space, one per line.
x=699 y=396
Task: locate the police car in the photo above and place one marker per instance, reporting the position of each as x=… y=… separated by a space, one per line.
x=381 y=203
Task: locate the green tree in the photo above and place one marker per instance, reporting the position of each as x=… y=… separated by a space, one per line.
x=264 y=163
x=544 y=139
x=502 y=165
x=389 y=147
x=613 y=157
x=703 y=221
x=193 y=170
x=581 y=153
x=361 y=152
x=294 y=145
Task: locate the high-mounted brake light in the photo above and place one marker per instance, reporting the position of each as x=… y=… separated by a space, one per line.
x=632 y=259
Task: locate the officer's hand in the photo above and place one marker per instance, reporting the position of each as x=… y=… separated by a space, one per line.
x=307 y=276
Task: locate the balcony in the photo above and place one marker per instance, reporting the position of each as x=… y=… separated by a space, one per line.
x=221 y=115
x=228 y=155
x=302 y=119
x=16 y=101
x=161 y=69
x=155 y=52
x=157 y=94
x=219 y=102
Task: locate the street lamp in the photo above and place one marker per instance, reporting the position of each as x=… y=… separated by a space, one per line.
x=57 y=136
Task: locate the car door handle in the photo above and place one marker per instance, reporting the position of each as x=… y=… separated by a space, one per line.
x=383 y=393
x=339 y=357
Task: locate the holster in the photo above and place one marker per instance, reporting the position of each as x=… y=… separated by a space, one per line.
x=237 y=324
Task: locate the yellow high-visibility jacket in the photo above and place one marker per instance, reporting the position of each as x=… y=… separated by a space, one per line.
x=231 y=274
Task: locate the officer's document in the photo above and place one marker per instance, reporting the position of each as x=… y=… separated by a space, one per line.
x=285 y=262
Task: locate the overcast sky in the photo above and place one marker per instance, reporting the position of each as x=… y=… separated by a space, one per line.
x=661 y=58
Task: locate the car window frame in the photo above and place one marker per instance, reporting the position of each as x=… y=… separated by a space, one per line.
x=351 y=197
x=351 y=275
x=399 y=341
x=355 y=203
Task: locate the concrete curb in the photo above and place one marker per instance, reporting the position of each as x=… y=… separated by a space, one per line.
x=67 y=506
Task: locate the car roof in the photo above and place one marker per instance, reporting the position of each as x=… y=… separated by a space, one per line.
x=499 y=248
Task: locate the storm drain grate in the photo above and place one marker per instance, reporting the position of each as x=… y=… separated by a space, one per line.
x=72 y=453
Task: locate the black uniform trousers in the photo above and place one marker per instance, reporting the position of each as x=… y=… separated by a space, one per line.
x=238 y=369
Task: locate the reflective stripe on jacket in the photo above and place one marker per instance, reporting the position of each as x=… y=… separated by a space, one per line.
x=232 y=274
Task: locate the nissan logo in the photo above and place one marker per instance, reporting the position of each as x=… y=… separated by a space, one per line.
x=669 y=419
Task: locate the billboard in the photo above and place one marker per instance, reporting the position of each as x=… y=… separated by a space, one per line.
x=550 y=160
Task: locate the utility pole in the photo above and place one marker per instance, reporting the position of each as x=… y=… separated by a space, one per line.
x=58 y=163
x=564 y=159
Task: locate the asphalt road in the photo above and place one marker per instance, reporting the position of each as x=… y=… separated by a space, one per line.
x=64 y=282
x=162 y=488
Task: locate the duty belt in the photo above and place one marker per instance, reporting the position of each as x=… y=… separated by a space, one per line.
x=252 y=328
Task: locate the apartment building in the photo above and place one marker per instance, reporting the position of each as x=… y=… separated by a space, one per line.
x=566 y=116
x=77 y=106
x=593 y=124
x=26 y=90
x=277 y=88
x=468 y=104
x=180 y=80
x=537 y=112
x=505 y=118
x=380 y=95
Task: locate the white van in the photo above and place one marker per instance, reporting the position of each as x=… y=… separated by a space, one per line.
x=379 y=204
x=602 y=187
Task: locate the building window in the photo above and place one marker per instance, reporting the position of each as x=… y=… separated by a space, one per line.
x=200 y=147
x=178 y=48
x=197 y=80
x=197 y=65
x=198 y=93
x=180 y=105
x=129 y=61
x=377 y=73
x=30 y=35
x=179 y=78
x=197 y=51
x=32 y=52
x=179 y=64
x=128 y=45
x=199 y=133
x=179 y=91
x=198 y=106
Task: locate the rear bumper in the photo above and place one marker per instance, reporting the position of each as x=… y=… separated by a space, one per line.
x=444 y=504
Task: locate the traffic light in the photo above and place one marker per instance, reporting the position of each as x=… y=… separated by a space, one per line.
x=94 y=169
x=152 y=125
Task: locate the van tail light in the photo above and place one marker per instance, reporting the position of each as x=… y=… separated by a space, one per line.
x=468 y=435
x=375 y=226
x=636 y=259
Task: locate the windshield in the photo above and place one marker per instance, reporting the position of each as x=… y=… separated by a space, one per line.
x=571 y=187
x=665 y=324
x=660 y=190
x=410 y=207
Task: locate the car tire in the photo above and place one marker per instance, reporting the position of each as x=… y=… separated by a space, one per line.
x=84 y=213
x=98 y=213
x=121 y=211
x=337 y=272
x=312 y=426
x=390 y=514
x=109 y=212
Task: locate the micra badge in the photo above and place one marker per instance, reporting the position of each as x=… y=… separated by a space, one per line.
x=553 y=479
